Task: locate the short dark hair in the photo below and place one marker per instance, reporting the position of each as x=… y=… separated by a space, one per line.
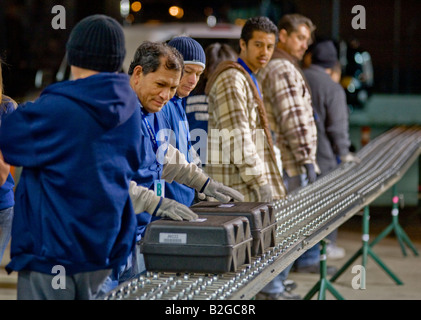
x=148 y=55
x=258 y=24
x=291 y=22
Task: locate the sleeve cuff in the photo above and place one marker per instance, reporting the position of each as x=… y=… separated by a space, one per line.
x=204 y=186
x=157 y=207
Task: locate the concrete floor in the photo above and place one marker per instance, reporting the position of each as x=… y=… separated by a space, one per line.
x=378 y=286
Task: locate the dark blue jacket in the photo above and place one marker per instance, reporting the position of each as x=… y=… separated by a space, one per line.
x=176 y=116
x=152 y=167
x=80 y=145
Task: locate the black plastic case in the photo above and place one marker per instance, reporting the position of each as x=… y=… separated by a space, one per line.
x=260 y=215
x=211 y=244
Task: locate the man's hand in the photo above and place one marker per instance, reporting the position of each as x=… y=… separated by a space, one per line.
x=220 y=192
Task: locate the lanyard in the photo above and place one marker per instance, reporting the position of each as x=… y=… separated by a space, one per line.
x=154 y=142
x=243 y=64
x=149 y=128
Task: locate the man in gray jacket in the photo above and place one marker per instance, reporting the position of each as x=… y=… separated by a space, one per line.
x=287 y=100
x=330 y=108
x=331 y=116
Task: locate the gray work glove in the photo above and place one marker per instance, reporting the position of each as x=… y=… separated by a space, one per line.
x=350 y=157
x=265 y=193
x=144 y=199
x=311 y=172
x=175 y=210
x=220 y=192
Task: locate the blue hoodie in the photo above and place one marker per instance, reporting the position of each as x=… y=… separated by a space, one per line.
x=176 y=115
x=80 y=145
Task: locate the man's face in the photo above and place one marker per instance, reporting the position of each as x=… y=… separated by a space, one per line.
x=155 y=89
x=295 y=43
x=258 y=51
x=188 y=82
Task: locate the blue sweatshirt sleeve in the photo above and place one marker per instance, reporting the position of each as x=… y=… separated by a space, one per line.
x=16 y=139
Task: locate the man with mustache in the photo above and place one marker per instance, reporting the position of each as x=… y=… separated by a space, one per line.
x=287 y=99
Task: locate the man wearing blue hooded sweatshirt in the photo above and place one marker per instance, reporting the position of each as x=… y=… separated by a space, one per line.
x=155 y=73
x=194 y=64
x=79 y=145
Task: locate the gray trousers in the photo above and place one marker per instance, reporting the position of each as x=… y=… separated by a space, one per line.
x=34 y=285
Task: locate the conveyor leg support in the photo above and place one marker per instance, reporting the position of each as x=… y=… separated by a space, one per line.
x=323 y=284
x=396 y=227
x=365 y=251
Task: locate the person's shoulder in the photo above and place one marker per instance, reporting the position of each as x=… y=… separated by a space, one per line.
x=278 y=66
x=337 y=88
x=231 y=72
x=8 y=103
x=282 y=62
x=231 y=76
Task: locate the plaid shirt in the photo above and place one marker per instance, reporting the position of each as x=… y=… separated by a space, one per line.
x=288 y=104
x=245 y=160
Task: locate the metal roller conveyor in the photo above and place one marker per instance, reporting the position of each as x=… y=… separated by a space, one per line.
x=304 y=218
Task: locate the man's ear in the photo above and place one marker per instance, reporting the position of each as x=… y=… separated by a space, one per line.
x=137 y=70
x=243 y=45
x=137 y=73
x=283 y=36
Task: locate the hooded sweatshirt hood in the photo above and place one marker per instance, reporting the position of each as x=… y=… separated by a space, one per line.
x=101 y=95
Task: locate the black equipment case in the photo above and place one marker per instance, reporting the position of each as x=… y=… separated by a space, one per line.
x=210 y=244
x=260 y=215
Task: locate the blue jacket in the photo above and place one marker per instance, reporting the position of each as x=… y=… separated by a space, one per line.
x=79 y=144
x=176 y=115
x=7 y=196
x=197 y=112
x=196 y=107
x=152 y=168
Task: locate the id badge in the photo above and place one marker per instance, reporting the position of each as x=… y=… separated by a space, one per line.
x=159 y=187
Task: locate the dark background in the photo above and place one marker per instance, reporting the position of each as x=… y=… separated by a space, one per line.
x=29 y=43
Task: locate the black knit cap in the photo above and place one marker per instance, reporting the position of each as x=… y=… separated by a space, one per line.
x=190 y=49
x=324 y=54
x=97 y=43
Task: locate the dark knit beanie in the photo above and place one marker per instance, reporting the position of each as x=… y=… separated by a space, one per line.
x=96 y=43
x=190 y=49
x=324 y=54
